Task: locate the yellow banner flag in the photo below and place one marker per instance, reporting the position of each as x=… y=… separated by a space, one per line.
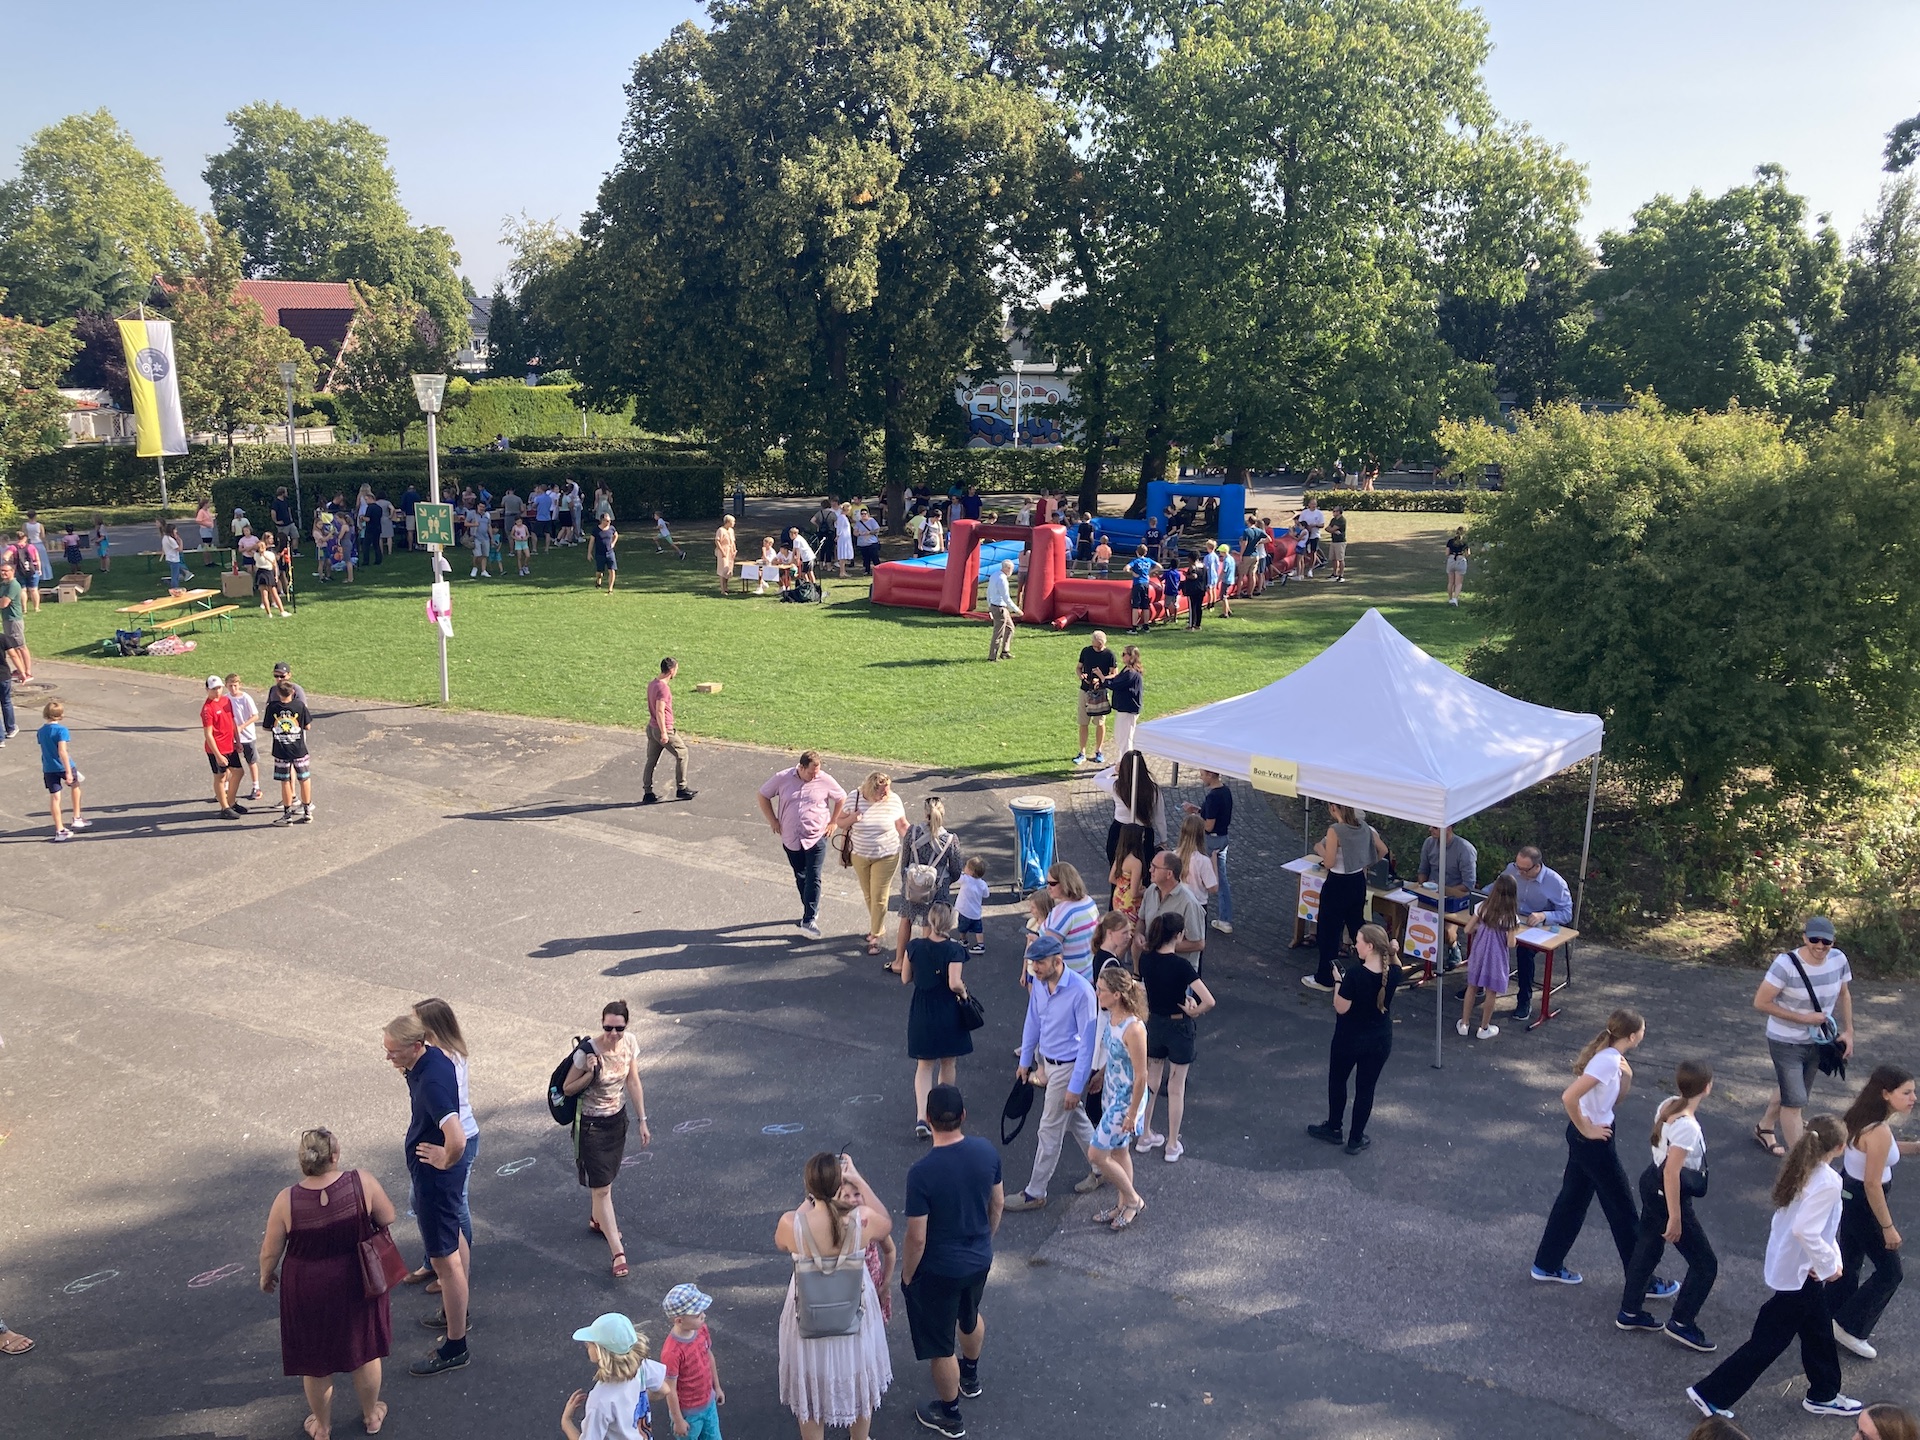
x=155 y=385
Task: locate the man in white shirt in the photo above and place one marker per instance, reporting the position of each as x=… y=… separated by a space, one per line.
x=1315 y=519
x=1002 y=611
x=1795 y=1022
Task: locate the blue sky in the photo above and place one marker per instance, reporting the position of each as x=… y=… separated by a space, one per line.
x=491 y=109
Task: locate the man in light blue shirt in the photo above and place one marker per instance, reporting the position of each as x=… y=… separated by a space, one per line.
x=1544 y=900
x=1002 y=611
x=1059 y=1031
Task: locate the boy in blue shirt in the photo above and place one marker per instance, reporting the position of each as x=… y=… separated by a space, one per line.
x=56 y=768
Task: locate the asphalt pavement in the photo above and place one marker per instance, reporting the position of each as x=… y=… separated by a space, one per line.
x=181 y=996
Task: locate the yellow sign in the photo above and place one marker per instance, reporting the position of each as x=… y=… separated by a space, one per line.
x=1275 y=777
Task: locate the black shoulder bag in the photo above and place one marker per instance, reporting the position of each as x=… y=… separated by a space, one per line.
x=1833 y=1056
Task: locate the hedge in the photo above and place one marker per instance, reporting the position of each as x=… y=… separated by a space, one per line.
x=114 y=475
x=680 y=492
x=478 y=411
x=1436 y=502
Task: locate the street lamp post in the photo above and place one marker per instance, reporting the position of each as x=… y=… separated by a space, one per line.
x=430 y=390
x=289 y=372
x=1016 y=404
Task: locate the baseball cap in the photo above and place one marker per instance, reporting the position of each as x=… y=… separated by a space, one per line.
x=683 y=1300
x=1043 y=945
x=1818 y=927
x=282 y=668
x=945 y=1105
x=612 y=1332
x=214 y=682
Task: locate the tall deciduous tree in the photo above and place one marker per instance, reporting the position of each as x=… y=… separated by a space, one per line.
x=89 y=222
x=1879 y=325
x=393 y=339
x=1704 y=302
x=229 y=355
x=314 y=199
x=32 y=360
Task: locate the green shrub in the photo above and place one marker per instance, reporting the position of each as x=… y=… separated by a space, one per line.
x=1005 y=471
x=1435 y=502
x=114 y=475
x=476 y=411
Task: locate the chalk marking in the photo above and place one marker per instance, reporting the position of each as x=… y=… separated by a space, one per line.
x=87 y=1282
x=207 y=1277
x=687 y=1127
x=781 y=1129
x=863 y=1100
x=514 y=1167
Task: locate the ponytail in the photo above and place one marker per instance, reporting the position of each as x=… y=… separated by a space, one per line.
x=1621 y=1025
x=1387 y=948
x=1824 y=1135
x=1690 y=1080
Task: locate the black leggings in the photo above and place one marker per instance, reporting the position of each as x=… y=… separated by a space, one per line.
x=1343 y=907
x=1856 y=1305
x=1366 y=1054
x=1703 y=1266
x=1593 y=1171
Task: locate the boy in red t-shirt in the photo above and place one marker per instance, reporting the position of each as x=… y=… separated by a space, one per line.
x=694 y=1396
x=223 y=748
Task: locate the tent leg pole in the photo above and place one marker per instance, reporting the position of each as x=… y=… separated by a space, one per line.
x=1586 y=841
x=1439 y=984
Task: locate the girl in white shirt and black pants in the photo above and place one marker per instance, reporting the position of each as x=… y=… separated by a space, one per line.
x=1802 y=1260
x=1668 y=1188
x=1593 y=1165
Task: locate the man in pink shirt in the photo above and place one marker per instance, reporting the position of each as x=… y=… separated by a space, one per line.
x=661 y=736
x=809 y=799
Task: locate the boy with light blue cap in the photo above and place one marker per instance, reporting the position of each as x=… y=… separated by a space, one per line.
x=626 y=1384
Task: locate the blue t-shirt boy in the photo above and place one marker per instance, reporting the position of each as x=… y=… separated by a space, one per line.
x=52 y=736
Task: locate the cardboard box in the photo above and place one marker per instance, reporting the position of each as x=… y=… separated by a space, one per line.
x=77 y=580
x=708 y=687
x=236 y=586
x=66 y=594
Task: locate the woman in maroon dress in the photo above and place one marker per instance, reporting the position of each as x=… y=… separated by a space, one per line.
x=327 y=1325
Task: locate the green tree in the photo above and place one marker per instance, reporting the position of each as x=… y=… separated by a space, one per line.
x=88 y=223
x=314 y=199
x=229 y=355
x=32 y=360
x=1737 y=607
x=1903 y=145
x=1879 y=324
x=393 y=339
x=509 y=351
x=1705 y=302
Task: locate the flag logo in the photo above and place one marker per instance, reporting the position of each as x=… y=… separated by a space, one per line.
x=150 y=364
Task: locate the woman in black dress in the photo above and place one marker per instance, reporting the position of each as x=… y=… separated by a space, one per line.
x=1362 y=1037
x=935 y=1036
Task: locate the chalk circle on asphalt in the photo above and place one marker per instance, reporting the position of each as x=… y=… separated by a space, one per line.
x=863 y=1099
x=87 y=1282
x=789 y=1129
x=208 y=1277
x=639 y=1157
x=514 y=1167
x=687 y=1127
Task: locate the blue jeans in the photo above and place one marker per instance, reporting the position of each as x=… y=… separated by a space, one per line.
x=471 y=1159
x=1217 y=848
x=177 y=574
x=6 y=698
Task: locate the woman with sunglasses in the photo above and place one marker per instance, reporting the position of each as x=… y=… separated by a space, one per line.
x=1803 y=990
x=606 y=1071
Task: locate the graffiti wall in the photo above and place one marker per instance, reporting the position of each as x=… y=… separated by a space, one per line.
x=991 y=410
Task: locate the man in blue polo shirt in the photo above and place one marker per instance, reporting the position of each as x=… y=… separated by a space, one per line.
x=1544 y=900
x=437 y=1162
x=954 y=1204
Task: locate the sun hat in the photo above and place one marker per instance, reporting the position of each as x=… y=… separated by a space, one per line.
x=685 y=1300
x=612 y=1332
x=214 y=682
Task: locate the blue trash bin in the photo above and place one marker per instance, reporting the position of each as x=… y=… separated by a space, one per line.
x=1033 y=839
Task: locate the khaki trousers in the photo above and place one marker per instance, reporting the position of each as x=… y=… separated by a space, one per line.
x=658 y=744
x=875 y=877
x=1002 y=642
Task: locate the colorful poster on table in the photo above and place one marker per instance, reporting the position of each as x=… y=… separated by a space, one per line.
x=1422 y=939
x=1310 y=882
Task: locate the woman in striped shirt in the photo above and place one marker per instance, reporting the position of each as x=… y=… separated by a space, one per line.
x=1073 y=918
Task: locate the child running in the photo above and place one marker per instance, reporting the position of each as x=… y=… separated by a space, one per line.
x=56 y=768
x=970 y=906
x=1489 y=933
x=694 y=1395
x=626 y=1385
x=663 y=537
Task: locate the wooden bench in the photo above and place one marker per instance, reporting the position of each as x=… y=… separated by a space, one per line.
x=218 y=613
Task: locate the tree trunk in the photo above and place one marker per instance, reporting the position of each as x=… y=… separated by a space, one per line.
x=896 y=446
x=838 y=446
x=1158 y=432
x=1093 y=444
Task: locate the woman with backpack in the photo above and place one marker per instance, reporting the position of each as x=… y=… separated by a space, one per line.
x=929 y=868
x=603 y=1073
x=832 y=1373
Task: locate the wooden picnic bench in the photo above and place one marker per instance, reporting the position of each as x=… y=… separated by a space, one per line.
x=219 y=614
x=144 y=612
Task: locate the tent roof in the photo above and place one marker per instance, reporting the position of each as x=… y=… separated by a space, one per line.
x=1375 y=721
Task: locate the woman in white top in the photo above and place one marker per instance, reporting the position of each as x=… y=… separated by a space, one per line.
x=874 y=822
x=1136 y=801
x=1802 y=1259
x=1197 y=870
x=443 y=1033
x=837 y=1380
x=842 y=540
x=1668 y=1188
x=1593 y=1165
x=1866 y=1223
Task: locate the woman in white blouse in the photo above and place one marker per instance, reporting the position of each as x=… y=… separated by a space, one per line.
x=1802 y=1260
x=1668 y=1188
x=873 y=821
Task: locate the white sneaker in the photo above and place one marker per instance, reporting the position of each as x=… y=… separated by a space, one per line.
x=809 y=929
x=1838 y=1405
x=1313 y=984
x=474 y=573
x=79 y=824
x=1175 y=1151
x=1459 y=1027
x=1858 y=1347
x=1148 y=1142
x=1486 y=1032
x=1224 y=927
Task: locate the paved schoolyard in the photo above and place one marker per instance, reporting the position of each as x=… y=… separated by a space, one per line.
x=181 y=996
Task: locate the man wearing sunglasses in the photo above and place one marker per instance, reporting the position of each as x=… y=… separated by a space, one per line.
x=1804 y=989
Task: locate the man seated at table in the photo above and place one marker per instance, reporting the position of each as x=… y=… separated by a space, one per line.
x=1458 y=884
x=1544 y=900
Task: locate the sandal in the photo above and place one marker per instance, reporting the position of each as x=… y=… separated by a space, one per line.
x=620 y=1266
x=1128 y=1215
x=12 y=1342
x=312 y=1426
x=1107 y=1216
x=372 y=1427
x=1768 y=1141
x=873 y=945
x=594 y=1226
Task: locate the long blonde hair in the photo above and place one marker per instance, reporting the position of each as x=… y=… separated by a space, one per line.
x=1193 y=839
x=442 y=1029
x=612 y=1369
x=936 y=813
x=1621 y=1025
x=1388 y=949
x=1824 y=1134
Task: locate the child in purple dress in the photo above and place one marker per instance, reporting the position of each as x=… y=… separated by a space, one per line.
x=1489 y=934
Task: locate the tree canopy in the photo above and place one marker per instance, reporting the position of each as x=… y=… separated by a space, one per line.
x=394 y=339
x=32 y=360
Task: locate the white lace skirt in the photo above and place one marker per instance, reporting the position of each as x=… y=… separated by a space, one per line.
x=839 y=1380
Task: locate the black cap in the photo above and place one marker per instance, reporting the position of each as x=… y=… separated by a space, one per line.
x=945 y=1107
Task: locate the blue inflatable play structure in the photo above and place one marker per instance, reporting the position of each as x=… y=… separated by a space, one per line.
x=1123 y=535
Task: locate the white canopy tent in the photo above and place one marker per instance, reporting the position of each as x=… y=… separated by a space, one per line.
x=1375 y=722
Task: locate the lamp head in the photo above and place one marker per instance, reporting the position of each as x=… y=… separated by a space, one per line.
x=429 y=390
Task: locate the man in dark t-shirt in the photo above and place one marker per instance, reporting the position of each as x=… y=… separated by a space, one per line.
x=1097 y=666
x=1216 y=811
x=437 y=1164
x=954 y=1203
x=288 y=722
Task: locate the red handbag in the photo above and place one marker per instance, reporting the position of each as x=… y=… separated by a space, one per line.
x=382 y=1266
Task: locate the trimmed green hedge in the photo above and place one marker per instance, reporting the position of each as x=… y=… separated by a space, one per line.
x=114 y=475
x=1434 y=502
x=680 y=492
x=476 y=411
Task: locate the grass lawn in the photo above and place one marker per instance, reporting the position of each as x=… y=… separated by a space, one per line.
x=846 y=676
